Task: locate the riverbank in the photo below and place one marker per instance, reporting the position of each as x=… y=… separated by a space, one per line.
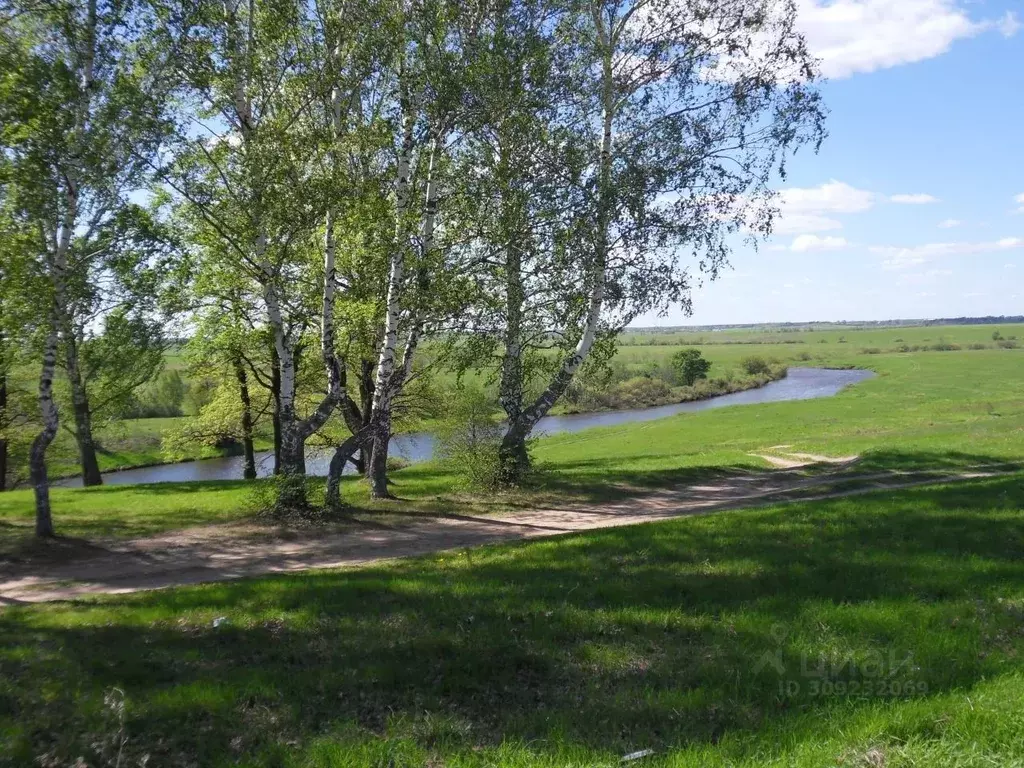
x=649 y=392
x=143 y=448
x=917 y=413
x=418 y=447
x=138 y=444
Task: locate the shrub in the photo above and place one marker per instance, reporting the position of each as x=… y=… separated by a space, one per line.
x=640 y=392
x=944 y=346
x=469 y=436
x=287 y=497
x=396 y=463
x=996 y=336
x=218 y=425
x=1009 y=344
x=976 y=345
x=755 y=365
x=871 y=351
x=690 y=365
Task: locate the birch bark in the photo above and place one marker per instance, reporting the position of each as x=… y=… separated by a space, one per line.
x=391 y=380
x=51 y=420
x=57 y=260
x=513 y=455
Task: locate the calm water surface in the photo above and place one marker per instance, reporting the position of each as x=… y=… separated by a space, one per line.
x=800 y=384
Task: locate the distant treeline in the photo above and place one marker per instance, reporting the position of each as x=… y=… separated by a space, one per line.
x=824 y=326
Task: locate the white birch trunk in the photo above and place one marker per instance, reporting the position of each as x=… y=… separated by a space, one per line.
x=390 y=382
x=291 y=459
x=513 y=449
x=396 y=276
x=332 y=365
x=58 y=264
x=47 y=405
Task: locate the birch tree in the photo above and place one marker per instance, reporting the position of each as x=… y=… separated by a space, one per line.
x=262 y=173
x=425 y=288
x=81 y=105
x=688 y=112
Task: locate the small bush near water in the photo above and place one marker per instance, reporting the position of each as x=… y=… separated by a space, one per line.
x=638 y=392
x=469 y=437
x=755 y=365
x=690 y=366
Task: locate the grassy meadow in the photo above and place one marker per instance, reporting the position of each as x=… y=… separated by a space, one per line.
x=138 y=442
x=923 y=410
x=879 y=630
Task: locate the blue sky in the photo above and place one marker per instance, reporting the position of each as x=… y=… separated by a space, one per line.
x=915 y=205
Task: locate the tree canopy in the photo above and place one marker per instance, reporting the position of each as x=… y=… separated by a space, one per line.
x=332 y=199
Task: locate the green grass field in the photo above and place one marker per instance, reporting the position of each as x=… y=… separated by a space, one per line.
x=137 y=442
x=878 y=630
x=881 y=630
x=923 y=410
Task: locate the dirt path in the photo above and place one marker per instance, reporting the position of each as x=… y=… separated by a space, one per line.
x=216 y=553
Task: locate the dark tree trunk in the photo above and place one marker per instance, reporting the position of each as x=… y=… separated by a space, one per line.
x=513 y=458
x=37 y=454
x=275 y=391
x=41 y=483
x=249 y=471
x=342 y=455
x=366 y=387
x=377 y=468
x=300 y=448
x=83 y=416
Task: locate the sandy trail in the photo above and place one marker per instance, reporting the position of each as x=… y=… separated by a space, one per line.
x=217 y=553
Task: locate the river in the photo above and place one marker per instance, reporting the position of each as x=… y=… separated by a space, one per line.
x=800 y=384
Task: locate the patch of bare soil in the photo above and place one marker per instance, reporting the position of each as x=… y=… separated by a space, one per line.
x=217 y=553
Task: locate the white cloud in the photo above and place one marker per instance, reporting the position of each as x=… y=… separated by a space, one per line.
x=1009 y=25
x=812 y=209
x=904 y=258
x=950 y=223
x=851 y=36
x=1019 y=199
x=835 y=196
x=918 y=199
x=807 y=243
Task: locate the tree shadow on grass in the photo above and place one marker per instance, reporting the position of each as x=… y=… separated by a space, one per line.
x=653 y=636
x=606 y=480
